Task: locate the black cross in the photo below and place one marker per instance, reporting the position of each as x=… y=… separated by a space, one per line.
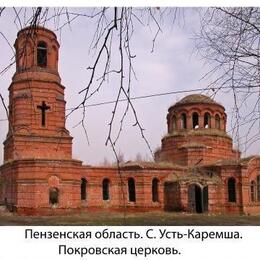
x=43 y=108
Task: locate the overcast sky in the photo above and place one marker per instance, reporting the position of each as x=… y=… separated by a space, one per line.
x=172 y=66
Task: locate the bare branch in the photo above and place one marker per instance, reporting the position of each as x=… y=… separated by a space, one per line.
x=229 y=41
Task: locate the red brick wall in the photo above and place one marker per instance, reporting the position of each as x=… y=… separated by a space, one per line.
x=119 y=186
x=182 y=149
x=38 y=158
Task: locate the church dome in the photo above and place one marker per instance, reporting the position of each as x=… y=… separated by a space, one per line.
x=196 y=98
x=196 y=111
x=196 y=131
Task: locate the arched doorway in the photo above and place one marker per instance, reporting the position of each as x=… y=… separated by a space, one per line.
x=197 y=198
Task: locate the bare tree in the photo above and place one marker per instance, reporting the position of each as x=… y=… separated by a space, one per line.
x=229 y=40
x=120 y=157
x=112 y=51
x=105 y=162
x=111 y=48
x=138 y=157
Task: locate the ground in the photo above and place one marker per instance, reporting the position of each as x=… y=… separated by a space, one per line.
x=138 y=219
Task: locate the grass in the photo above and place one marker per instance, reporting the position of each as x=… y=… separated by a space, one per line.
x=131 y=219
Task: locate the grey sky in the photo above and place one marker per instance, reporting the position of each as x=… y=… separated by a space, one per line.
x=172 y=66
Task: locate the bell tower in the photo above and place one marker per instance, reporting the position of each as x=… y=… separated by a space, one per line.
x=36 y=100
x=38 y=175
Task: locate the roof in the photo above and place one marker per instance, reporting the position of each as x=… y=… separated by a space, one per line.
x=227 y=162
x=148 y=165
x=36 y=28
x=235 y=161
x=248 y=159
x=196 y=98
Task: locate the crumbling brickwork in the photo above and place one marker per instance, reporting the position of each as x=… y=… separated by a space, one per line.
x=195 y=170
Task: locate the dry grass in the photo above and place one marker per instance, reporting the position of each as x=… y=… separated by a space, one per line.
x=138 y=219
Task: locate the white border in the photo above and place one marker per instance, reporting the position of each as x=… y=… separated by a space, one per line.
x=135 y=3
x=14 y=245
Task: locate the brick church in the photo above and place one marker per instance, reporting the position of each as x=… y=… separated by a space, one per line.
x=195 y=170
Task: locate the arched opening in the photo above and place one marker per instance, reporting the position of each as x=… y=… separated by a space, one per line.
x=217 y=122
x=231 y=190
x=53 y=196
x=258 y=188
x=83 y=189
x=207 y=120
x=252 y=191
x=131 y=190
x=195 y=120
x=197 y=198
x=105 y=185
x=183 y=121
x=42 y=54
x=155 y=195
x=174 y=123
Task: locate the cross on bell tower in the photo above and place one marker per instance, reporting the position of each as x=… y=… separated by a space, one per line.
x=38 y=146
x=35 y=91
x=43 y=109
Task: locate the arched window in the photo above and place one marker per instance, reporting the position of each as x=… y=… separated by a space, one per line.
x=252 y=191
x=155 y=195
x=231 y=190
x=207 y=120
x=131 y=190
x=183 y=121
x=217 y=122
x=195 y=120
x=106 y=189
x=174 y=123
x=83 y=189
x=53 y=196
x=258 y=187
x=42 y=54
